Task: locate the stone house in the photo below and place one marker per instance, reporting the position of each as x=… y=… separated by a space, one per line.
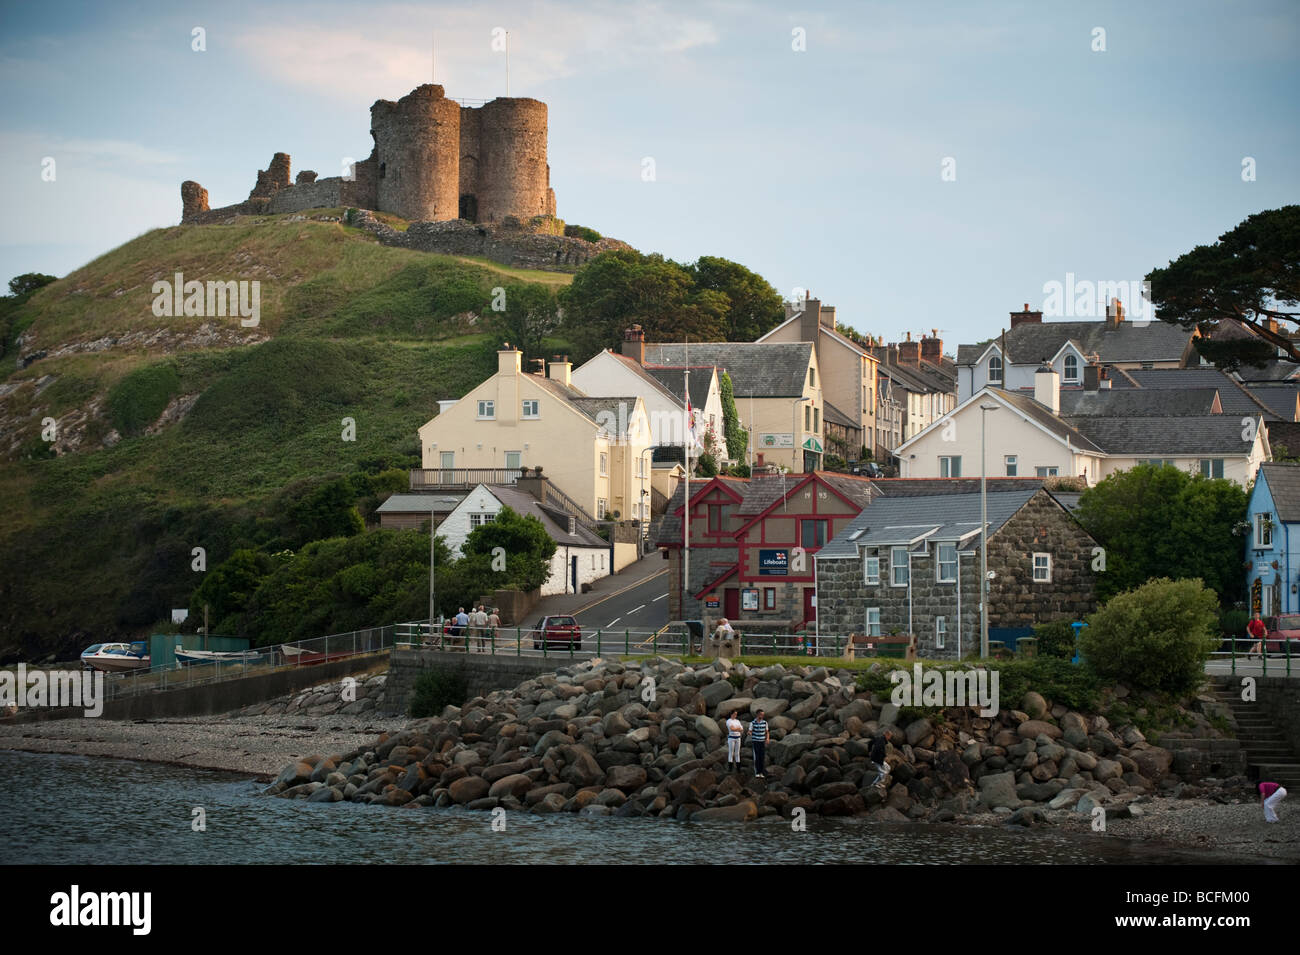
x=910 y=564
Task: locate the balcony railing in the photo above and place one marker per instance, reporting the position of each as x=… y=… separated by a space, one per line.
x=425 y=478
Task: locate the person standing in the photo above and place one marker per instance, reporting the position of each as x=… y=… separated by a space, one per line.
x=758 y=738
x=735 y=730
x=478 y=624
x=879 y=749
x=1257 y=630
x=461 y=625
x=1270 y=797
x=494 y=624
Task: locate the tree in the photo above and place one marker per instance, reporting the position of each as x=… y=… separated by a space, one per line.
x=737 y=437
x=1252 y=274
x=1157 y=637
x=754 y=306
x=1164 y=522
x=228 y=589
x=29 y=282
x=530 y=313
x=525 y=545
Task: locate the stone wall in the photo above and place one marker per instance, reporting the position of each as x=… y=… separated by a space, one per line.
x=417 y=145
x=512 y=177
x=683 y=605
x=483 y=672
x=1041 y=525
x=194 y=199
x=321 y=194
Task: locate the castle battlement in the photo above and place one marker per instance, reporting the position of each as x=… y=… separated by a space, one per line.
x=435 y=159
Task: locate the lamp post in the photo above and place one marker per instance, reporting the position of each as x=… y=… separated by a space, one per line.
x=645 y=517
x=984 y=537
x=794 y=434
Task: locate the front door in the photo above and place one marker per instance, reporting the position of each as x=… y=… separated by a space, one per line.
x=447 y=460
x=731 y=603
x=809 y=607
x=513 y=461
x=573 y=573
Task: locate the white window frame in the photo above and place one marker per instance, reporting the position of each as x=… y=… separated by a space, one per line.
x=872 y=622
x=1011 y=464
x=487 y=409
x=895 y=567
x=602 y=507
x=1046 y=471
x=1046 y=578
x=940 y=563
x=940 y=632
x=1208 y=467
x=996 y=361
x=1066 y=362
x=533 y=415
x=1261 y=530
x=604 y=464
x=945 y=465
x=867 y=577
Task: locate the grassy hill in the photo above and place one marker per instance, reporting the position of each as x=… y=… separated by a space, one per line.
x=98 y=540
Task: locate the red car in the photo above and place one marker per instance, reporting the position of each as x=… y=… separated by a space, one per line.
x=557 y=630
x=1283 y=627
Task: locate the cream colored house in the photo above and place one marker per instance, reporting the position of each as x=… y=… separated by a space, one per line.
x=592 y=449
x=778 y=392
x=1028 y=437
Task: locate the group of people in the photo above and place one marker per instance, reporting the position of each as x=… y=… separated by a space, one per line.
x=479 y=625
x=758 y=736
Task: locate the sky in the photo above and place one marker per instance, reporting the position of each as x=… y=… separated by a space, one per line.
x=920 y=166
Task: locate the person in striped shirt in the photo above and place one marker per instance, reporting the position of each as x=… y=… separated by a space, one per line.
x=758 y=737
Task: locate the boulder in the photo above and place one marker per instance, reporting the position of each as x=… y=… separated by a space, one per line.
x=1107 y=769
x=1066 y=798
x=1030 y=729
x=1153 y=761
x=706 y=726
x=918 y=730
x=737 y=703
x=468 y=788
x=516 y=785
x=1034 y=705
x=742 y=811
x=999 y=789
x=626 y=778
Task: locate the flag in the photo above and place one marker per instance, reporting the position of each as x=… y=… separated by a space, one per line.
x=692 y=425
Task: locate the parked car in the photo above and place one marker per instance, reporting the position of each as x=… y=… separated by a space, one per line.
x=868 y=468
x=561 y=630
x=1284 y=628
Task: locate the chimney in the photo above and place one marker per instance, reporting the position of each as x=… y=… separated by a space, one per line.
x=932 y=348
x=810 y=320
x=533 y=484
x=540 y=366
x=1105 y=379
x=1092 y=376
x=1026 y=317
x=828 y=316
x=509 y=360
x=1047 y=388
x=634 y=343
x=561 y=370
x=1114 y=313
x=909 y=352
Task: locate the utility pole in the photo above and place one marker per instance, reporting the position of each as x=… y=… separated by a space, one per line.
x=433 y=538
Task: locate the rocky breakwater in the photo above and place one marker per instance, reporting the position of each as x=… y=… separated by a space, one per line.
x=645 y=738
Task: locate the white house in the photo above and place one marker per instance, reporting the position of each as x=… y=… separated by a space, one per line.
x=580 y=556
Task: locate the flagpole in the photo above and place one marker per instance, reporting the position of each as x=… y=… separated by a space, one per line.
x=686 y=522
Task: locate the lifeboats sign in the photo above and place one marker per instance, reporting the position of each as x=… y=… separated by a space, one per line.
x=773 y=563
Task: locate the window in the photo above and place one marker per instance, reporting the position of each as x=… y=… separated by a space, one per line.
x=940 y=632
x=604 y=463
x=873 y=621
x=487 y=409
x=769 y=598
x=813 y=533
x=601 y=506
x=812 y=377
x=898 y=566
x=1157 y=462
x=1071 y=369
x=807 y=418
x=871 y=570
x=1263 y=531
x=817 y=420
x=1042 y=568
x=447 y=460
x=1212 y=467
x=718 y=515
x=995 y=370
x=950 y=467
x=1148 y=365
x=1047 y=472
x=1010 y=461
x=640 y=465
x=532 y=408
x=947 y=564
x=478 y=520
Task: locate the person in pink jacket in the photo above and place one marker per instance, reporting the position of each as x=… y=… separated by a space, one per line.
x=1270 y=797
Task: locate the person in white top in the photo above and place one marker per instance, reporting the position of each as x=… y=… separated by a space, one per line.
x=735 y=730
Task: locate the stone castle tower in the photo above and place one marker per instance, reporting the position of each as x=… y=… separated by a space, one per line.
x=433 y=160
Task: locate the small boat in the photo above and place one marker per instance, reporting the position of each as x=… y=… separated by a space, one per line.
x=184 y=656
x=117 y=657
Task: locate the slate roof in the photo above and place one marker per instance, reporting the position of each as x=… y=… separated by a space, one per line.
x=1285 y=434
x=1057 y=426
x=834 y=415
x=922 y=378
x=1139 y=401
x=757 y=370
x=1280 y=396
x=619 y=409
x=1284 y=485
x=556 y=523
x=418 y=503
x=671 y=378
x=1031 y=342
x=651 y=381
x=896 y=520
x=918 y=487
x=668 y=530
x=1153 y=437
x=1277 y=370
x=1235 y=399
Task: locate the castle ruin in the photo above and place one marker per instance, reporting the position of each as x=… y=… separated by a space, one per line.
x=433 y=160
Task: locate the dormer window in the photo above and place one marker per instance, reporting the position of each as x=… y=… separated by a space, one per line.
x=995 y=370
x=1071 y=369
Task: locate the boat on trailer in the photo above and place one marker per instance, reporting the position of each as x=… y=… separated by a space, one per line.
x=117 y=657
x=185 y=657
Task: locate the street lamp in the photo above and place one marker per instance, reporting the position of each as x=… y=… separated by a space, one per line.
x=645 y=516
x=984 y=538
x=794 y=434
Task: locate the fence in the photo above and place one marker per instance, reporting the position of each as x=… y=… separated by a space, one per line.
x=253 y=662
x=1280 y=651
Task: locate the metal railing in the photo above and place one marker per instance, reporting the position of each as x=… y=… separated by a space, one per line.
x=421 y=478
x=253 y=662
x=1240 y=649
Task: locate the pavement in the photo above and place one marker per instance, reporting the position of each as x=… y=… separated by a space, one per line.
x=633 y=576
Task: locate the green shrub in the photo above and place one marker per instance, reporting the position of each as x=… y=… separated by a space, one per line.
x=1055 y=638
x=1233 y=622
x=436 y=689
x=582 y=232
x=137 y=400
x=1157 y=637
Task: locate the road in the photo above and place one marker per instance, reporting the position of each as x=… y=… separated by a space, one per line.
x=643 y=609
